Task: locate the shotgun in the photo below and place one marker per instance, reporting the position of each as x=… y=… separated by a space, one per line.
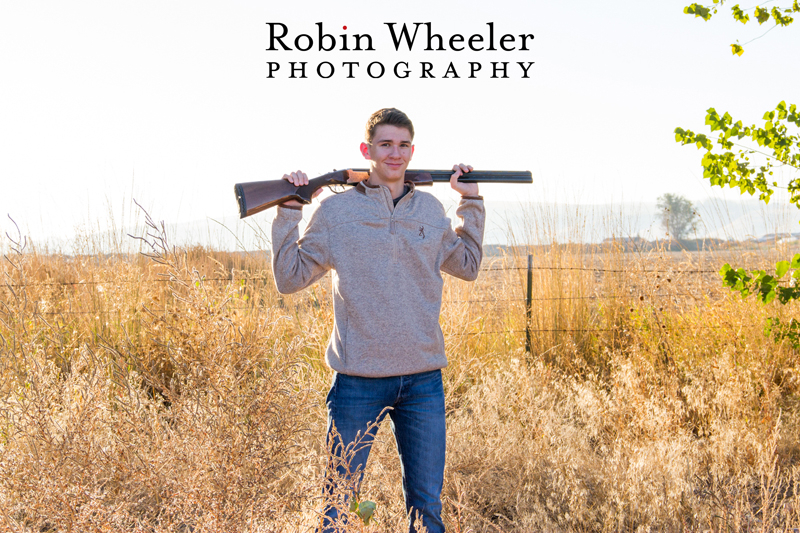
x=257 y=196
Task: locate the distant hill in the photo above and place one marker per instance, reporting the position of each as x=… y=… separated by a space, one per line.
x=511 y=222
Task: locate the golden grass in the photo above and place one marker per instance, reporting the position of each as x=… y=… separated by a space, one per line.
x=182 y=393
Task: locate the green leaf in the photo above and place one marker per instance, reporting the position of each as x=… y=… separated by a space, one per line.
x=740 y=15
x=737 y=50
x=781 y=268
x=365 y=511
x=796 y=261
x=780 y=18
x=762 y=15
x=767 y=297
x=698 y=11
x=702 y=142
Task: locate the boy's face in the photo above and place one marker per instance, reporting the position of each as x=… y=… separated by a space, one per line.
x=390 y=152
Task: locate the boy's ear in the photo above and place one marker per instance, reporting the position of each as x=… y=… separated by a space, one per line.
x=365 y=150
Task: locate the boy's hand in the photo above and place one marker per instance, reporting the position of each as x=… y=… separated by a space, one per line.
x=465 y=189
x=298 y=179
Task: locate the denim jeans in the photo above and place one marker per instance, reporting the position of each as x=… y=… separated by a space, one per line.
x=418 y=424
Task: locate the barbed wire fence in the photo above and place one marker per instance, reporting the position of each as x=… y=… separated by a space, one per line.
x=527 y=297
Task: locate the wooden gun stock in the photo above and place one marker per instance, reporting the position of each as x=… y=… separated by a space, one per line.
x=256 y=196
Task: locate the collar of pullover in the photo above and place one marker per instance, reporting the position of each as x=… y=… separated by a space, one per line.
x=381 y=192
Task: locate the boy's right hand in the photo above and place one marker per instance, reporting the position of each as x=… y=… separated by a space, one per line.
x=298 y=179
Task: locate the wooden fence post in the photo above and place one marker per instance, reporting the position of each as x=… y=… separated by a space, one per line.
x=528 y=299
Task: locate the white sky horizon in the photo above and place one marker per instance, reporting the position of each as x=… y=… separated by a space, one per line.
x=169 y=103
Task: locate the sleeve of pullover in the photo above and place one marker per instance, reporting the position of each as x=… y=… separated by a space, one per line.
x=464 y=246
x=296 y=264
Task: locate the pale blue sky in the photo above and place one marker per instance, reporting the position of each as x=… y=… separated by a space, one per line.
x=169 y=101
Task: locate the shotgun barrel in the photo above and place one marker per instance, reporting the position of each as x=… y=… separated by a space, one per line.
x=476 y=176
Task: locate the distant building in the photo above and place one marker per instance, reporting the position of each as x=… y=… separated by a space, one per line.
x=775 y=237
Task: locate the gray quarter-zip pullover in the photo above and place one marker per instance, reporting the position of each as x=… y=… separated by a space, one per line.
x=387 y=283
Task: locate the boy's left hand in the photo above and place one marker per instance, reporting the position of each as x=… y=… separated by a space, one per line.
x=465 y=189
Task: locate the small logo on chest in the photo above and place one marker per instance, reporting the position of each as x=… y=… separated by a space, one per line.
x=422 y=231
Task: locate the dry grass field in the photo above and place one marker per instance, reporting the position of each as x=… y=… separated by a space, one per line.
x=181 y=393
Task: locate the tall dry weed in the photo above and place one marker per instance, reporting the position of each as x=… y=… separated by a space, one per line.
x=185 y=421
x=181 y=393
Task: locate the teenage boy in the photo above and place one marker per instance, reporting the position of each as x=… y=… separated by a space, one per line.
x=387 y=245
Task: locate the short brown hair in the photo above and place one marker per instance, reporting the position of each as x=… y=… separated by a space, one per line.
x=391 y=116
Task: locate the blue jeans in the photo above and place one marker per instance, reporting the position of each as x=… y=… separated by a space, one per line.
x=418 y=424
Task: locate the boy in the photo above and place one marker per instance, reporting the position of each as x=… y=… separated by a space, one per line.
x=387 y=244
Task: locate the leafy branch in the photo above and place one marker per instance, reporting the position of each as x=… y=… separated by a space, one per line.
x=764 y=286
x=735 y=169
x=767 y=288
x=780 y=330
x=781 y=16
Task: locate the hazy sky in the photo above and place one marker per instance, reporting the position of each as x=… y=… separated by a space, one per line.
x=169 y=102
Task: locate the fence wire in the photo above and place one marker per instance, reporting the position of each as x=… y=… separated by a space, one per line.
x=261 y=278
x=235 y=279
